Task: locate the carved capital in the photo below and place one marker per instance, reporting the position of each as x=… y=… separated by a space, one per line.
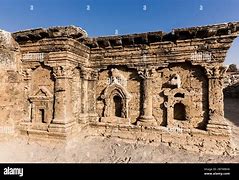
x=222 y=71
x=62 y=72
x=89 y=74
x=146 y=73
x=94 y=75
x=27 y=74
x=85 y=73
x=216 y=72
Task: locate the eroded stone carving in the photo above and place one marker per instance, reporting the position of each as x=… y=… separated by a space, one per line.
x=136 y=94
x=41 y=106
x=62 y=71
x=178 y=106
x=116 y=97
x=117 y=77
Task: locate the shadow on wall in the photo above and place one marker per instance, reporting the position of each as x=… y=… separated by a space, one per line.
x=231 y=110
x=231 y=91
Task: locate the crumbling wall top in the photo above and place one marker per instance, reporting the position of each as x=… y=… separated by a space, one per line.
x=230 y=29
x=6 y=41
x=201 y=32
x=34 y=35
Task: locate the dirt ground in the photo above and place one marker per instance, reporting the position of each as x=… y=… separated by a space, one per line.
x=91 y=149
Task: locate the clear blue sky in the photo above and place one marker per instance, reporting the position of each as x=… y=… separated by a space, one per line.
x=106 y=17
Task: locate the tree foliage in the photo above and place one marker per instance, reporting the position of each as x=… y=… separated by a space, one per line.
x=232 y=68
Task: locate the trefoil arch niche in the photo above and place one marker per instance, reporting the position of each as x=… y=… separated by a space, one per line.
x=116 y=99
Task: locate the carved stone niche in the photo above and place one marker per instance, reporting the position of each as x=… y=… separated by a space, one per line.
x=178 y=107
x=116 y=99
x=41 y=108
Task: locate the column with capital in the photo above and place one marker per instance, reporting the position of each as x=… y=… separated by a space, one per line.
x=85 y=75
x=27 y=89
x=93 y=116
x=62 y=120
x=216 y=123
x=146 y=117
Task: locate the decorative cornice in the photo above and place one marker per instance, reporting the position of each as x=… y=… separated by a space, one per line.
x=34 y=35
x=142 y=39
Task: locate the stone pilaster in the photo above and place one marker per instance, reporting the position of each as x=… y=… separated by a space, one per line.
x=146 y=117
x=216 y=123
x=76 y=94
x=27 y=89
x=62 y=121
x=85 y=76
x=93 y=116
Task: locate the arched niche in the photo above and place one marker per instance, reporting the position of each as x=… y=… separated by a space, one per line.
x=117 y=106
x=42 y=76
x=116 y=99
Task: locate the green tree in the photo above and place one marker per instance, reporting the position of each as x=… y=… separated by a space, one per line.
x=232 y=68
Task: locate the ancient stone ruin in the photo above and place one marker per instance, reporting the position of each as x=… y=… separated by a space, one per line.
x=231 y=84
x=153 y=87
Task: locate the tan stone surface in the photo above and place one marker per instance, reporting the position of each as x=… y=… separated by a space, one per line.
x=155 y=87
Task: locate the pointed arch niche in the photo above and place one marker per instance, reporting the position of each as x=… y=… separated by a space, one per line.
x=116 y=99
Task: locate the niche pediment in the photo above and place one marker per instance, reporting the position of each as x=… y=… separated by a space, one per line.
x=41 y=94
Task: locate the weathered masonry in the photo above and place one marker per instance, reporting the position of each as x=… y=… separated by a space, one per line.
x=154 y=87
